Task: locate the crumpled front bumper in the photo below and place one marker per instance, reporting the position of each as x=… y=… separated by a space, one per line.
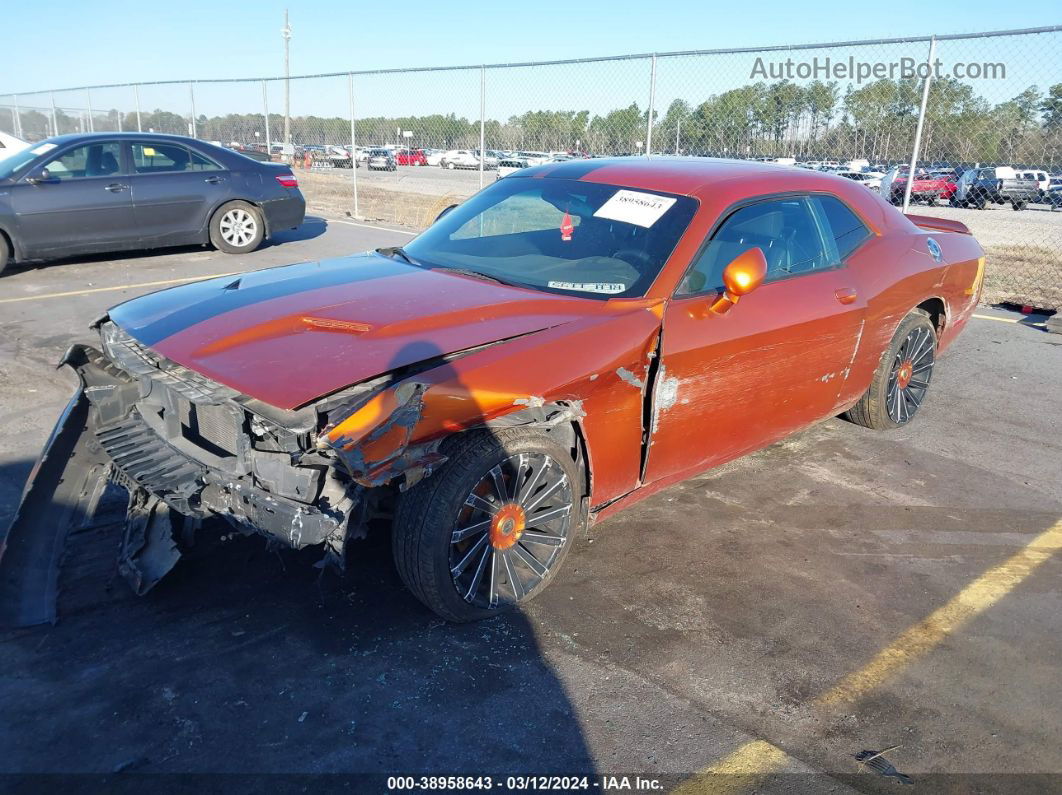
x=101 y=443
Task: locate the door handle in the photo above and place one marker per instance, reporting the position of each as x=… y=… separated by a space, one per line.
x=213 y=180
x=846 y=295
x=115 y=187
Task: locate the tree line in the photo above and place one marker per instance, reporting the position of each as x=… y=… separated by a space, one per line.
x=817 y=120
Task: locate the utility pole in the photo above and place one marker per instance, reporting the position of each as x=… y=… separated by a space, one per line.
x=286 y=33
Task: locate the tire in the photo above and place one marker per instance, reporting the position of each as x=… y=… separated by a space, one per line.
x=902 y=379
x=5 y=253
x=1018 y=205
x=237 y=228
x=451 y=166
x=497 y=549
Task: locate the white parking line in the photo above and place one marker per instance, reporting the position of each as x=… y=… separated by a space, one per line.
x=370 y=226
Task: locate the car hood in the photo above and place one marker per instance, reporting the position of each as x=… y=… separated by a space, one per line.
x=290 y=335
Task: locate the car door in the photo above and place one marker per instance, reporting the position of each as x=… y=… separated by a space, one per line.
x=76 y=202
x=174 y=189
x=732 y=383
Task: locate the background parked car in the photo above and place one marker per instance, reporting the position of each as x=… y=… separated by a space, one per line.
x=459 y=158
x=995 y=185
x=509 y=165
x=102 y=192
x=926 y=187
x=869 y=179
x=433 y=156
x=381 y=160
x=410 y=157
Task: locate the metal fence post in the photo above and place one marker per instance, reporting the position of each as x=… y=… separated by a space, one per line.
x=17 y=117
x=652 y=107
x=918 y=128
x=353 y=148
x=55 y=118
x=265 y=113
x=136 y=99
x=191 y=95
x=91 y=121
x=482 y=121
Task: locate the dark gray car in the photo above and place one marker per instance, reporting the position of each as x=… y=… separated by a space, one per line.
x=102 y=192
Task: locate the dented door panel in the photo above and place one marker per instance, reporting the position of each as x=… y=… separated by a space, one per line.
x=732 y=383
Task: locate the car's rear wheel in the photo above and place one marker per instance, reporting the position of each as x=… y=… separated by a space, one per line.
x=237 y=228
x=5 y=253
x=901 y=382
x=451 y=166
x=491 y=528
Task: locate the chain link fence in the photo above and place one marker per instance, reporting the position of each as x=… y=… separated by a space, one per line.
x=978 y=117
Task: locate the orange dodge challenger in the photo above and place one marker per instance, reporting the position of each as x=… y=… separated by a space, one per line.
x=568 y=341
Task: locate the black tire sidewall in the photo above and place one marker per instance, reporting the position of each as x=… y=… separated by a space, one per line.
x=880 y=384
x=215 y=228
x=5 y=253
x=438 y=500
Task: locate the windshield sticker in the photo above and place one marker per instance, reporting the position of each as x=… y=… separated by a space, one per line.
x=43 y=149
x=567 y=227
x=609 y=288
x=632 y=207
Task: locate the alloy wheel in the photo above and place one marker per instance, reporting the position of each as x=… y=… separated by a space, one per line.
x=510 y=530
x=238 y=227
x=909 y=379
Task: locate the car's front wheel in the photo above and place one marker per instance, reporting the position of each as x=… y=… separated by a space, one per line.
x=490 y=529
x=237 y=228
x=902 y=379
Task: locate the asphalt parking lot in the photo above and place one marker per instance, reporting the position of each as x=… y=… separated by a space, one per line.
x=841 y=591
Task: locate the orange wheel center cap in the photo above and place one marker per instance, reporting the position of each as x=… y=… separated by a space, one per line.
x=903 y=377
x=507 y=526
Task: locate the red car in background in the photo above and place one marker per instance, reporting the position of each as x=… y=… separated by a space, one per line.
x=410 y=157
x=928 y=186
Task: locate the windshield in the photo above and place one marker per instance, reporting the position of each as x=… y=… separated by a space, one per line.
x=559 y=235
x=12 y=163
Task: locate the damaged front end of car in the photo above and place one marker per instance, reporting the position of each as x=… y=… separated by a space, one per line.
x=186 y=449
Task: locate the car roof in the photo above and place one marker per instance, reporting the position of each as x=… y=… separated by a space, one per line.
x=718 y=184
x=110 y=136
x=691 y=176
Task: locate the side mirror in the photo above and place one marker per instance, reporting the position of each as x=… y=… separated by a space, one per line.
x=744 y=274
x=40 y=177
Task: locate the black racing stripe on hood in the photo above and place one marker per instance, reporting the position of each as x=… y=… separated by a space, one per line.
x=148 y=321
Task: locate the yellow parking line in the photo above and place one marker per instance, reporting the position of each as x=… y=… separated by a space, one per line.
x=757 y=759
x=737 y=772
x=1006 y=320
x=969 y=603
x=69 y=293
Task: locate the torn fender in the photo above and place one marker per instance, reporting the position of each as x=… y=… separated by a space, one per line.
x=574 y=374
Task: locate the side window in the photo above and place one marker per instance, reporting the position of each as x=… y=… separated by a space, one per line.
x=842 y=224
x=163 y=157
x=783 y=229
x=91 y=160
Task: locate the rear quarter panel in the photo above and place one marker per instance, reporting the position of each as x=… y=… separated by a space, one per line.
x=897 y=273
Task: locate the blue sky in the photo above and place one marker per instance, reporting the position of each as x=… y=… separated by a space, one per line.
x=104 y=41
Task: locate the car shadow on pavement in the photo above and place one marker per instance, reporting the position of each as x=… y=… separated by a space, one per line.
x=248 y=659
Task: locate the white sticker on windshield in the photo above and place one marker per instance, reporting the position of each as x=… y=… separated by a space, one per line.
x=43 y=149
x=610 y=288
x=633 y=207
